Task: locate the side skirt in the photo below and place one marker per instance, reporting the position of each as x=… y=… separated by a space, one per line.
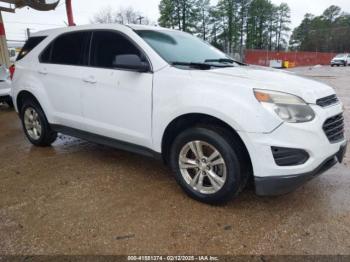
x=102 y=140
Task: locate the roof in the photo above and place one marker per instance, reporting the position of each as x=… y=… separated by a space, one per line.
x=99 y=26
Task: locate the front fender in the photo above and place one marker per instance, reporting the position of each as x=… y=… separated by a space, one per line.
x=177 y=93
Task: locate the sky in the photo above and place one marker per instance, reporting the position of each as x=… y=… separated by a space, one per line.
x=84 y=10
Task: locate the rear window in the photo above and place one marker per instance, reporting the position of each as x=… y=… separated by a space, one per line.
x=29 y=46
x=68 y=49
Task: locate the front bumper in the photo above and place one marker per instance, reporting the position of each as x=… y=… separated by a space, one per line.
x=338 y=62
x=308 y=137
x=273 y=186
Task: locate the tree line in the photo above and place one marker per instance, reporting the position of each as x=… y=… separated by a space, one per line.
x=235 y=25
x=329 y=32
x=230 y=24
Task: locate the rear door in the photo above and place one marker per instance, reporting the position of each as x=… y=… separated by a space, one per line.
x=60 y=70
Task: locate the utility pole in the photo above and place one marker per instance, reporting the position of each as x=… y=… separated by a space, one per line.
x=140 y=18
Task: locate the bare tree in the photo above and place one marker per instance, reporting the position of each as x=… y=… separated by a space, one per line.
x=122 y=16
x=104 y=16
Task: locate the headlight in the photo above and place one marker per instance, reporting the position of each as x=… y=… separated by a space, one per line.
x=288 y=107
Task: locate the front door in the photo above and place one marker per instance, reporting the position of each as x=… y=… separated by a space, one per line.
x=117 y=103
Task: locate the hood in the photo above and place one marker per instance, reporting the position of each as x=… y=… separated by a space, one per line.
x=270 y=79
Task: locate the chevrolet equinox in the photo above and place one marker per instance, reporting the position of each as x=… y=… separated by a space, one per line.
x=216 y=122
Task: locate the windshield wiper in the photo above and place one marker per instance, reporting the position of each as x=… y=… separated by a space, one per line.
x=220 y=60
x=202 y=66
x=224 y=60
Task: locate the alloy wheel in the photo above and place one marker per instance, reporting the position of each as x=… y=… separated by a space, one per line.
x=202 y=167
x=32 y=123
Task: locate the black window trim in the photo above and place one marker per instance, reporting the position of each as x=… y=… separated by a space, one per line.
x=42 y=37
x=52 y=43
x=44 y=50
x=127 y=38
x=91 y=31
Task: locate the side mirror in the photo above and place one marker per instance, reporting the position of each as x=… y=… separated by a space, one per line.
x=131 y=62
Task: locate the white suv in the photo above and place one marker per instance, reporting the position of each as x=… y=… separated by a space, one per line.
x=341 y=59
x=167 y=94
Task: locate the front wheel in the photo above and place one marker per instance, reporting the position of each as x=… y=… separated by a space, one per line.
x=35 y=125
x=207 y=164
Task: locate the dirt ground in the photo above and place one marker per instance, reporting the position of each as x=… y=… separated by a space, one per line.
x=82 y=198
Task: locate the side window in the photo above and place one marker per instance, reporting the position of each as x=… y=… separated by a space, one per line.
x=29 y=46
x=68 y=49
x=106 y=46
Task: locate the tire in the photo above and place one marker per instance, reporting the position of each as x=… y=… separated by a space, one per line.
x=34 y=119
x=209 y=139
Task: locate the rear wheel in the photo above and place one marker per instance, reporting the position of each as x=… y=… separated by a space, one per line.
x=207 y=164
x=35 y=125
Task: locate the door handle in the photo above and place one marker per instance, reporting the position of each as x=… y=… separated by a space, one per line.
x=43 y=71
x=90 y=80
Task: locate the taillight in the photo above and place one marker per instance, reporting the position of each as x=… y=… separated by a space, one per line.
x=12 y=71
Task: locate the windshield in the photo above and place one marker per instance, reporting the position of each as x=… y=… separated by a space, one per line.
x=340 y=56
x=179 y=47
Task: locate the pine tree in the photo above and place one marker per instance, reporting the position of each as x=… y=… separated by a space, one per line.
x=328 y=32
x=283 y=20
x=204 y=13
x=230 y=24
x=179 y=14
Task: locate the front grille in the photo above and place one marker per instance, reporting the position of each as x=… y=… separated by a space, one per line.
x=327 y=101
x=334 y=128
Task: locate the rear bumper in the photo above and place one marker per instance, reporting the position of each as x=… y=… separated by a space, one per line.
x=273 y=186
